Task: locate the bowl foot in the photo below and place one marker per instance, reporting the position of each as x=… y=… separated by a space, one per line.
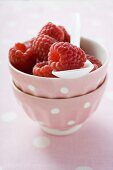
x=61 y=132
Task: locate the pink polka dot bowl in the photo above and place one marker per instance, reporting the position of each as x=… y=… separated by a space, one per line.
x=60 y=116
x=64 y=88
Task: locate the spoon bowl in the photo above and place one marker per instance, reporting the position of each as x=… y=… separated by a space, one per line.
x=76 y=73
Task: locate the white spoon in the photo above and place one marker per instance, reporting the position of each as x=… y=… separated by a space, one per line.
x=69 y=74
x=75 y=30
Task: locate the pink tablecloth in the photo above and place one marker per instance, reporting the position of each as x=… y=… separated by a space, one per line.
x=22 y=145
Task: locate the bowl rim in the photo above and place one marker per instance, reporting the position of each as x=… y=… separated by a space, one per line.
x=49 y=78
x=51 y=99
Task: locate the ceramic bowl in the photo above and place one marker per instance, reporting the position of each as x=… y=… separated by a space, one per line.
x=64 y=88
x=60 y=116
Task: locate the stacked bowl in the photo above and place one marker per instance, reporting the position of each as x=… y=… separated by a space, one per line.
x=61 y=106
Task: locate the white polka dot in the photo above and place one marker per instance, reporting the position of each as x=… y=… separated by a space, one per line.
x=110 y=95
x=83 y=168
x=8 y=116
x=41 y=142
x=71 y=122
x=87 y=105
x=55 y=111
x=64 y=90
x=32 y=88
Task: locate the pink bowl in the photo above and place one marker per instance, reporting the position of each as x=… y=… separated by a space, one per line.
x=60 y=116
x=64 y=88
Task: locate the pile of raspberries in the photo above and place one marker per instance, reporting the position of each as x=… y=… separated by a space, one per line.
x=50 y=50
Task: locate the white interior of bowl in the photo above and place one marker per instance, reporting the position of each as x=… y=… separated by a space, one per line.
x=93 y=48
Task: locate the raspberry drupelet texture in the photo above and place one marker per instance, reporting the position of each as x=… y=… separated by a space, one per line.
x=66 y=35
x=53 y=31
x=96 y=62
x=65 y=56
x=22 y=57
x=42 y=70
x=41 y=46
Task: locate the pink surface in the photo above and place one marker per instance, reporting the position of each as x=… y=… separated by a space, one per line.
x=22 y=145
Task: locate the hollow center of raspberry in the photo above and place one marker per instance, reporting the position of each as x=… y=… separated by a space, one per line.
x=21 y=47
x=55 y=57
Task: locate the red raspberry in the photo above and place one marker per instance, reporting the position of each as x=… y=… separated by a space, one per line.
x=65 y=56
x=53 y=31
x=66 y=35
x=96 y=62
x=42 y=70
x=22 y=57
x=41 y=46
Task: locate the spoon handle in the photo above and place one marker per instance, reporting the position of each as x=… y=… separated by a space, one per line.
x=75 y=29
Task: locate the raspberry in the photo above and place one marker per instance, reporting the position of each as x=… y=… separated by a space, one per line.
x=22 y=57
x=42 y=70
x=66 y=35
x=53 y=31
x=41 y=46
x=65 y=56
x=96 y=62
